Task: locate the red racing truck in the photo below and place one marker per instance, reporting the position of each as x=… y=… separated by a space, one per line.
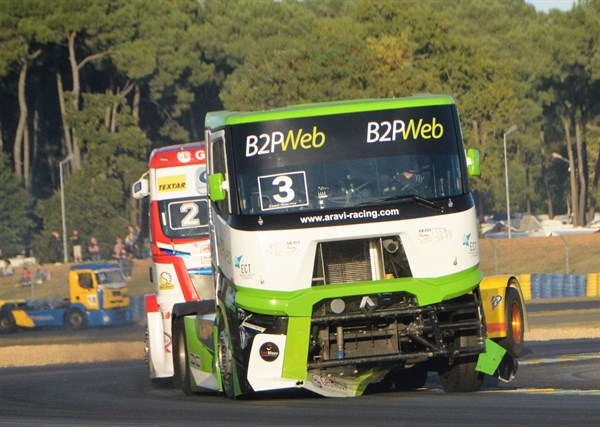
x=175 y=184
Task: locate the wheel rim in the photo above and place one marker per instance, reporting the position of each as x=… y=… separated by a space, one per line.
x=225 y=361
x=76 y=319
x=224 y=358
x=515 y=322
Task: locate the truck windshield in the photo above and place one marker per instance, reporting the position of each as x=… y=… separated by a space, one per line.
x=184 y=218
x=345 y=160
x=110 y=277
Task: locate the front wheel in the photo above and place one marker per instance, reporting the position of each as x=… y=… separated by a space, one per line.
x=181 y=376
x=515 y=334
x=7 y=323
x=75 y=320
x=225 y=360
x=461 y=376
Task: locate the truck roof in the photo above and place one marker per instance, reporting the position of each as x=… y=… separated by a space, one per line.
x=94 y=267
x=218 y=119
x=176 y=155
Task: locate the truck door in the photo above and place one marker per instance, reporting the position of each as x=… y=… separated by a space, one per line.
x=217 y=164
x=84 y=290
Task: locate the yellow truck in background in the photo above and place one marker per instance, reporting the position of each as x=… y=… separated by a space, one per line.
x=98 y=296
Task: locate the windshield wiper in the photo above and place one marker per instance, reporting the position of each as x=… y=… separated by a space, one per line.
x=420 y=200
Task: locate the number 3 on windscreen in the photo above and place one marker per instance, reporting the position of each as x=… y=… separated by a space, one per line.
x=284 y=190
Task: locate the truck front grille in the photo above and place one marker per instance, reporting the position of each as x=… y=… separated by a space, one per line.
x=360 y=260
x=346 y=261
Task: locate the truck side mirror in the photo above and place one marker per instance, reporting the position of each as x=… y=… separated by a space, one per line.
x=473 y=162
x=217 y=187
x=140 y=188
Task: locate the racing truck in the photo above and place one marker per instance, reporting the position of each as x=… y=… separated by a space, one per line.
x=175 y=185
x=345 y=256
x=98 y=297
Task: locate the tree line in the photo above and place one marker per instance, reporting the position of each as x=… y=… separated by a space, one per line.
x=91 y=87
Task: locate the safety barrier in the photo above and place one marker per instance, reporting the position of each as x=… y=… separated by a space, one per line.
x=537 y=286
x=593 y=285
x=525 y=282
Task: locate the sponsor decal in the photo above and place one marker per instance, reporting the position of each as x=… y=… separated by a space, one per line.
x=349 y=215
x=267 y=143
x=327 y=382
x=184 y=156
x=433 y=235
x=471 y=244
x=172 y=183
x=200 y=155
x=287 y=248
x=496 y=300
x=195 y=360
x=201 y=180
x=290 y=142
x=165 y=281
x=269 y=351
x=387 y=131
x=167 y=341
x=244 y=267
x=41 y=317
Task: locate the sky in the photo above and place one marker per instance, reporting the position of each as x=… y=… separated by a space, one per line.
x=546 y=5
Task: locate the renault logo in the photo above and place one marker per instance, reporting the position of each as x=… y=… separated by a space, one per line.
x=367 y=306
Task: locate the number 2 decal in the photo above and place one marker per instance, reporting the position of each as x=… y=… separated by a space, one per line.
x=190 y=212
x=187 y=214
x=284 y=190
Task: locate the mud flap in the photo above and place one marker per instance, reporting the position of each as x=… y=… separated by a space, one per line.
x=497 y=362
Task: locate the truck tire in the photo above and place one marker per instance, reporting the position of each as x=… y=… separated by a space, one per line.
x=181 y=366
x=461 y=376
x=225 y=359
x=515 y=334
x=75 y=320
x=7 y=322
x=412 y=378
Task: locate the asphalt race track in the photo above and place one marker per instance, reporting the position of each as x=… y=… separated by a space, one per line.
x=558 y=384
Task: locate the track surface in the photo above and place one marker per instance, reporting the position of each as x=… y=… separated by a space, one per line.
x=558 y=384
